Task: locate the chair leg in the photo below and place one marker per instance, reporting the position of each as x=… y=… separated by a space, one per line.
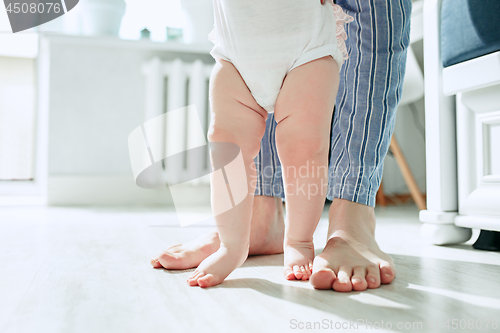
x=381 y=200
x=407 y=175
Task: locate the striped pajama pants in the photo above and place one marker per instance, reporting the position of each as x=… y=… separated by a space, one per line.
x=370 y=88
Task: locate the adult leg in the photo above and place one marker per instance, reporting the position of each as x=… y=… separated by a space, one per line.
x=268 y=225
x=304 y=112
x=370 y=88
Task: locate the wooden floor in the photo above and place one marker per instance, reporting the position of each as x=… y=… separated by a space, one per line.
x=87 y=270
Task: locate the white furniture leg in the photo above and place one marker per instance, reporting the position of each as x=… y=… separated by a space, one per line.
x=442 y=194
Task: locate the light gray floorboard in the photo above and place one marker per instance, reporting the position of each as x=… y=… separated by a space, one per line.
x=87 y=270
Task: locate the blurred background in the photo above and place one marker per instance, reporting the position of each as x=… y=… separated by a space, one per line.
x=76 y=230
x=73 y=89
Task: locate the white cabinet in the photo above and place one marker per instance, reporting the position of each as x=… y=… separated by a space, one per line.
x=463 y=141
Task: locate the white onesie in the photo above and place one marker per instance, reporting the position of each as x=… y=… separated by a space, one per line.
x=266 y=39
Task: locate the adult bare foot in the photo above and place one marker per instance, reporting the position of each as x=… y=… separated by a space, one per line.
x=188 y=255
x=266 y=237
x=351 y=259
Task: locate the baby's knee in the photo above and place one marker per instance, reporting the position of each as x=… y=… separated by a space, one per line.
x=217 y=133
x=296 y=149
x=247 y=140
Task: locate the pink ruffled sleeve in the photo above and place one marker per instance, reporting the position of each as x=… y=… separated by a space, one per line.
x=211 y=35
x=341 y=18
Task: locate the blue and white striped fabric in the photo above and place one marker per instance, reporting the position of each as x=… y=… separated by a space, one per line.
x=370 y=88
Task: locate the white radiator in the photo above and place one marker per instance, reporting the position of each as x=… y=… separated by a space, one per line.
x=171 y=85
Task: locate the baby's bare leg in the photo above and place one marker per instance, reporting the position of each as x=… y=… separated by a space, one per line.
x=303 y=111
x=238 y=119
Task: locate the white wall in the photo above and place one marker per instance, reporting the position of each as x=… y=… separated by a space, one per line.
x=96 y=98
x=17 y=118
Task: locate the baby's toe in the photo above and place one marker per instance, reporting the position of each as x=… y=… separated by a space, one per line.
x=193 y=279
x=208 y=280
x=289 y=275
x=305 y=276
x=308 y=270
x=297 y=272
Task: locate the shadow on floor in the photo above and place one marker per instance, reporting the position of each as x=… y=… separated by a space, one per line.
x=425 y=289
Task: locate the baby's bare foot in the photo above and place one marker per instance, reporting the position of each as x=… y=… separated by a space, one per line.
x=214 y=269
x=298 y=259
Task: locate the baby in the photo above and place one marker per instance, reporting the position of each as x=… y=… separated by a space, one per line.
x=284 y=57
